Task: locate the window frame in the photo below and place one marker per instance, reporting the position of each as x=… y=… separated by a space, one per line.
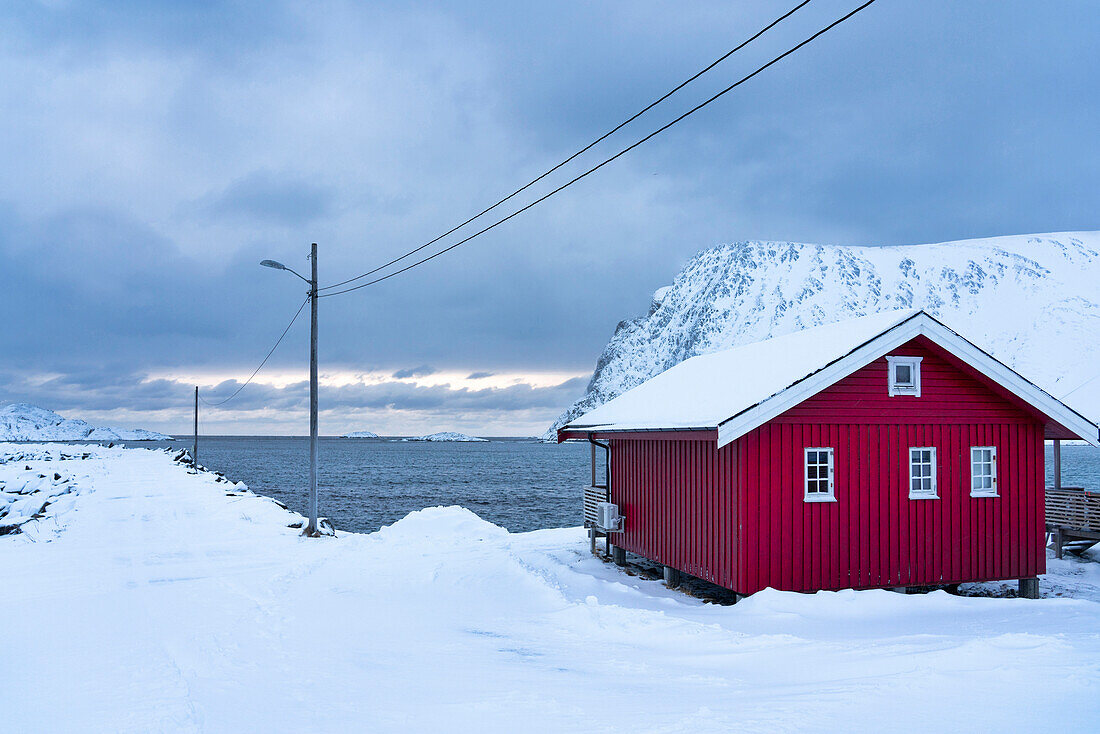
x=914 y=366
x=830 y=464
x=993 y=490
x=933 y=492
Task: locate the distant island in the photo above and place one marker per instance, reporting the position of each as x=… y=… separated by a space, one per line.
x=447 y=436
x=23 y=422
x=361 y=434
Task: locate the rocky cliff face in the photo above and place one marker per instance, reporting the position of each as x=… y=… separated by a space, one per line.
x=1033 y=301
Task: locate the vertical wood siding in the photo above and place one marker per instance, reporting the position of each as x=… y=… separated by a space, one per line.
x=737 y=517
x=874 y=535
x=674 y=513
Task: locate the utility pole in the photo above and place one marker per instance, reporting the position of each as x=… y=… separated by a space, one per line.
x=195 y=452
x=311 y=530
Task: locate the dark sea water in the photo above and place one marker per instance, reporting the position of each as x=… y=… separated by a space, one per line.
x=519 y=484
x=364 y=484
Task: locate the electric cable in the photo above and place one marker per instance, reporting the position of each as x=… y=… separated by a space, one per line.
x=597 y=167
x=583 y=150
x=260 y=367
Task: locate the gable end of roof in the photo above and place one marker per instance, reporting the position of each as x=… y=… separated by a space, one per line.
x=919 y=324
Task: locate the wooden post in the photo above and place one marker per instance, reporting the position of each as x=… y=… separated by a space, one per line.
x=1029 y=588
x=1057 y=463
x=592 y=447
x=592 y=538
x=1058 y=540
x=195 y=450
x=672 y=577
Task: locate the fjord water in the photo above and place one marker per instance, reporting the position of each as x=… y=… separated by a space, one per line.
x=519 y=484
x=364 y=484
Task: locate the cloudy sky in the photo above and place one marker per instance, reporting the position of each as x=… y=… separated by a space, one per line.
x=154 y=153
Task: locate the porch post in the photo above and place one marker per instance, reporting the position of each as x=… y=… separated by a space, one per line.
x=1057 y=463
x=592 y=454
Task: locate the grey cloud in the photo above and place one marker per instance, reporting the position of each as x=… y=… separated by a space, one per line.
x=264 y=196
x=479 y=375
x=421 y=371
x=107 y=390
x=914 y=122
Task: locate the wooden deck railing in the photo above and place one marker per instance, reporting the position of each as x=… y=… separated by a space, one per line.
x=1074 y=508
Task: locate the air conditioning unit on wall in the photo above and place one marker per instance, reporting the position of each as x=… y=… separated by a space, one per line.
x=609 y=518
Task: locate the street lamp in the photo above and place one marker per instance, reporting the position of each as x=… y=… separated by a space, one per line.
x=311 y=529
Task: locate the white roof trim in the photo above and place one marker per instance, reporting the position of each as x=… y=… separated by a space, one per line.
x=917 y=325
x=781 y=402
x=1011 y=380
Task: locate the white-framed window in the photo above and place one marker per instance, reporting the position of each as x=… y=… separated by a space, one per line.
x=819 y=475
x=922 y=473
x=904 y=375
x=983 y=471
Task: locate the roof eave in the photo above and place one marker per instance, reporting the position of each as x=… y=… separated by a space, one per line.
x=916 y=325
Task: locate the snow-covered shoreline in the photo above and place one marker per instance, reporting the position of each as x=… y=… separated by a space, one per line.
x=160 y=600
x=23 y=422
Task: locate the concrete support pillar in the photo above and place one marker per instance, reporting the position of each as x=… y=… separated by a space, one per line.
x=672 y=577
x=1058 y=539
x=592 y=538
x=618 y=555
x=1029 y=588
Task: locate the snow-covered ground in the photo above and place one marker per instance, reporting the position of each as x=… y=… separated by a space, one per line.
x=361 y=434
x=151 y=599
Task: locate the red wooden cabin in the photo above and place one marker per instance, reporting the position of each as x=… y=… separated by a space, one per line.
x=884 y=451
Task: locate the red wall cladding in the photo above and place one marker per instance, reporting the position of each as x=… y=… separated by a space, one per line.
x=874 y=535
x=674 y=514
x=948 y=395
x=737 y=516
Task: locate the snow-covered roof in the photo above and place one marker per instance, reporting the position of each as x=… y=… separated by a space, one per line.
x=738 y=389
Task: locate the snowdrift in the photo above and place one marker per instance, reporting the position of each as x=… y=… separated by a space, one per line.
x=159 y=599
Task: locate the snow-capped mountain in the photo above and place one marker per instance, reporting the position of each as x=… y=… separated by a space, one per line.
x=22 y=422
x=1033 y=301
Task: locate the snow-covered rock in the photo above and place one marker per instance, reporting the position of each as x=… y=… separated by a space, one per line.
x=446 y=436
x=1033 y=301
x=23 y=422
x=361 y=434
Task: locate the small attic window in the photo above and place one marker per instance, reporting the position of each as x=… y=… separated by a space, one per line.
x=904 y=375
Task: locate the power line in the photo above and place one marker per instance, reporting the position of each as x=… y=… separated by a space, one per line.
x=622 y=152
x=1086 y=382
x=257 y=370
x=583 y=150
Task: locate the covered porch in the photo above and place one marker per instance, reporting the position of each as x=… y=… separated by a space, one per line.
x=1072 y=513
